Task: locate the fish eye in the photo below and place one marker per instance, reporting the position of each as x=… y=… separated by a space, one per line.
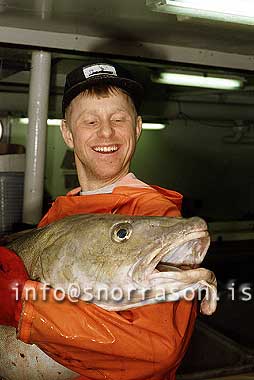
x=121 y=232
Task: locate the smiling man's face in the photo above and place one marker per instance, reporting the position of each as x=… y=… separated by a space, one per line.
x=103 y=131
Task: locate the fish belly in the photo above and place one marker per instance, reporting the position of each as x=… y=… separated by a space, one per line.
x=21 y=361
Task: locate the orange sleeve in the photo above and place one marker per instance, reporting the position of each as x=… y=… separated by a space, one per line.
x=144 y=343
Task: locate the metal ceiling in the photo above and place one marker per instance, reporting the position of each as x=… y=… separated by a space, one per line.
x=129 y=20
x=127 y=31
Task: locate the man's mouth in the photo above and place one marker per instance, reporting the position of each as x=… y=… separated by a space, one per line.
x=105 y=148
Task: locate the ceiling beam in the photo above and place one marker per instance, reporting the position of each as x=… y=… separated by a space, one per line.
x=136 y=49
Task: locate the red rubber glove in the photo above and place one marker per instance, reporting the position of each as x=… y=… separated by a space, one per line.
x=13 y=276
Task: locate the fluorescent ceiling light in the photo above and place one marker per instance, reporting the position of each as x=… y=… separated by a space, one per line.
x=23 y=120
x=153 y=126
x=56 y=122
x=198 y=80
x=239 y=11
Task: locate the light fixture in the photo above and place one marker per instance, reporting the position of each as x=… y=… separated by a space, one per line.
x=198 y=80
x=23 y=120
x=153 y=126
x=238 y=11
x=56 y=122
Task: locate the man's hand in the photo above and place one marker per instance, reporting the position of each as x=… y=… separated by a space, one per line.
x=13 y=276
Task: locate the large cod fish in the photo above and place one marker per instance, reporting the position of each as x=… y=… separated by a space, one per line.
x=117 y=262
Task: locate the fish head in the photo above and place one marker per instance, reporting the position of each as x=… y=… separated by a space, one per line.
x=117 y=249
x=162 y=242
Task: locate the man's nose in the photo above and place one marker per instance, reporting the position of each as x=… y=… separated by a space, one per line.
x=106 y=130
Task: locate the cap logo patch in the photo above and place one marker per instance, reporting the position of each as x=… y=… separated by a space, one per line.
x=95 y=70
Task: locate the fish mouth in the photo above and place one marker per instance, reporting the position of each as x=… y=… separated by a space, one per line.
x=185 y=253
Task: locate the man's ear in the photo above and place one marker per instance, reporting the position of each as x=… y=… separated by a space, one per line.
x=67 y=134
x=138 y=127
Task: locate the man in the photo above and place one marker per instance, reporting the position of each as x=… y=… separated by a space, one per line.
x=101 y=124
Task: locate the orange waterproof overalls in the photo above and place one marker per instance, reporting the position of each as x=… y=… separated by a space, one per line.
x=146 y=343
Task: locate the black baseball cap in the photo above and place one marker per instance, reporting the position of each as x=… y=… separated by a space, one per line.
x=97 y=73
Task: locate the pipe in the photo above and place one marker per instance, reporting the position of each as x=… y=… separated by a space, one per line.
x=36 y=138
x=44 y=8
x=172 y=110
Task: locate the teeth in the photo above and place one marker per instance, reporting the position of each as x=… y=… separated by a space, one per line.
x=106 y=148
